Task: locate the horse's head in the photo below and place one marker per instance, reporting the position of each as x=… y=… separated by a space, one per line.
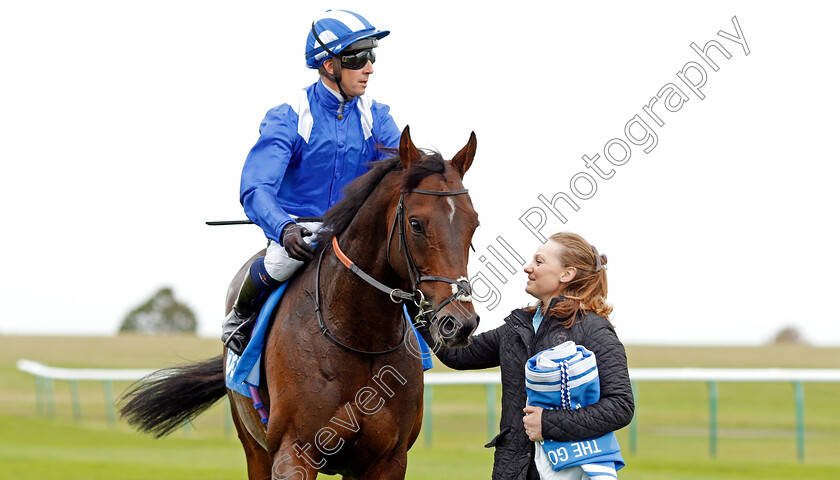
x=433 y=227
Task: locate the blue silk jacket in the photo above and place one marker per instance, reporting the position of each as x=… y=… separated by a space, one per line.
x=308 y=152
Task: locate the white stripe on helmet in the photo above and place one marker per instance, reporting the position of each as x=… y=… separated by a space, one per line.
x=353 y=23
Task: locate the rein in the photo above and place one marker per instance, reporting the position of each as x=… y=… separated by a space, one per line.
x=323 y=326
x=461 y=287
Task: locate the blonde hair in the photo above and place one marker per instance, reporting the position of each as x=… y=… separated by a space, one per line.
x=587 y=292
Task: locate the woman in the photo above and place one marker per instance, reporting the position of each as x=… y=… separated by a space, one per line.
x=569 y=281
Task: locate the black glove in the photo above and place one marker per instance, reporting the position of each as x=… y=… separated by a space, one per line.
x=295 y=245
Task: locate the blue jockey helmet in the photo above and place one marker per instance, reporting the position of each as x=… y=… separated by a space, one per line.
x=338 y=30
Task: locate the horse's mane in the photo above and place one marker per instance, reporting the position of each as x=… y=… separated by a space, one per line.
x=356 y=193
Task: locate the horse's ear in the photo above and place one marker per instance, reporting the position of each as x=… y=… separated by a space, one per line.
x=408 y=152
x=464 y=158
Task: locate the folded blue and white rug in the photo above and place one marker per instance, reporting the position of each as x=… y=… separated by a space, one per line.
x=566 y=378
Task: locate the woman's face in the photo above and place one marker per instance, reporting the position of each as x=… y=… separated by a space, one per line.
x=545 y=272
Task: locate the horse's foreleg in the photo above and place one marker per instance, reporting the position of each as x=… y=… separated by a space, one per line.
x=293 y=461
x=388 y=468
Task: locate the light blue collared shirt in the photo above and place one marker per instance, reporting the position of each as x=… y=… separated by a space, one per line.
x=537 y=320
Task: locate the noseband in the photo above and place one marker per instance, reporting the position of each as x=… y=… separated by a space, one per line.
x=461 y=287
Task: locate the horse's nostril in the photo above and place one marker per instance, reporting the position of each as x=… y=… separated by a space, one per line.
x=448 y=326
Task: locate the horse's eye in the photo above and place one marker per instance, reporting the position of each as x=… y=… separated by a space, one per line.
x=416 y=226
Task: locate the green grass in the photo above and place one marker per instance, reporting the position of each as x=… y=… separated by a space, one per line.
x=40 y=448
x=756 y=422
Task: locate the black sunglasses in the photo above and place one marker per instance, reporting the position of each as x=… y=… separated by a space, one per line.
x=358 y=59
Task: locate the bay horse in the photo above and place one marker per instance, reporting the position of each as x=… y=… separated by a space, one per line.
x=343 y=391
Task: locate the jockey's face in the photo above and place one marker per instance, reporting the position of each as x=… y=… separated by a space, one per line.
x=354 y=82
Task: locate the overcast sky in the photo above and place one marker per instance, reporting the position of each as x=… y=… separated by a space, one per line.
x=125 y=125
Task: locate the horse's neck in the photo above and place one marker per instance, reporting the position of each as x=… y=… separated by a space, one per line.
x=368 y=312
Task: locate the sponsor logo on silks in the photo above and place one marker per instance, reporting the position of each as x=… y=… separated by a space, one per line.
x=230 y=364
x=263 y=278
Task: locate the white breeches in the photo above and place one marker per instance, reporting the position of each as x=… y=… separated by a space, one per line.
x=278 y=264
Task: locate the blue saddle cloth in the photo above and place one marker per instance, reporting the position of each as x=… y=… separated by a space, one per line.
x=242 y=372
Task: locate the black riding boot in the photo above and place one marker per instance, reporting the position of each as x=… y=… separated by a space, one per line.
x=236 y=330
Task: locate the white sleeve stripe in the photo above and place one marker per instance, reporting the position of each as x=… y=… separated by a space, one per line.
x=304 y=127
x=366 y=115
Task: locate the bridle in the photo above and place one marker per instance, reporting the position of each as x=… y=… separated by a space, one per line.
x=461 y=287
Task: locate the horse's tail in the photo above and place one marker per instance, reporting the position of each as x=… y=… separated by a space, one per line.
x=162 y=401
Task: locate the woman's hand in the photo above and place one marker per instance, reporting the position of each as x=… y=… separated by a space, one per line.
x=533 y=422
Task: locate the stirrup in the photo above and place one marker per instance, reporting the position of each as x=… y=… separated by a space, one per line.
x=239 y=337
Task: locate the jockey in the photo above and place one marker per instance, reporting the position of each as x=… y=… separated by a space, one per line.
x=307 y=152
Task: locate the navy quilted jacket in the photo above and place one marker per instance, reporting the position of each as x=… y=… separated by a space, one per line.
x=510 y=346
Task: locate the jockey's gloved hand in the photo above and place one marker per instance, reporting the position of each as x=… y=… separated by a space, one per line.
x=294 y=243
